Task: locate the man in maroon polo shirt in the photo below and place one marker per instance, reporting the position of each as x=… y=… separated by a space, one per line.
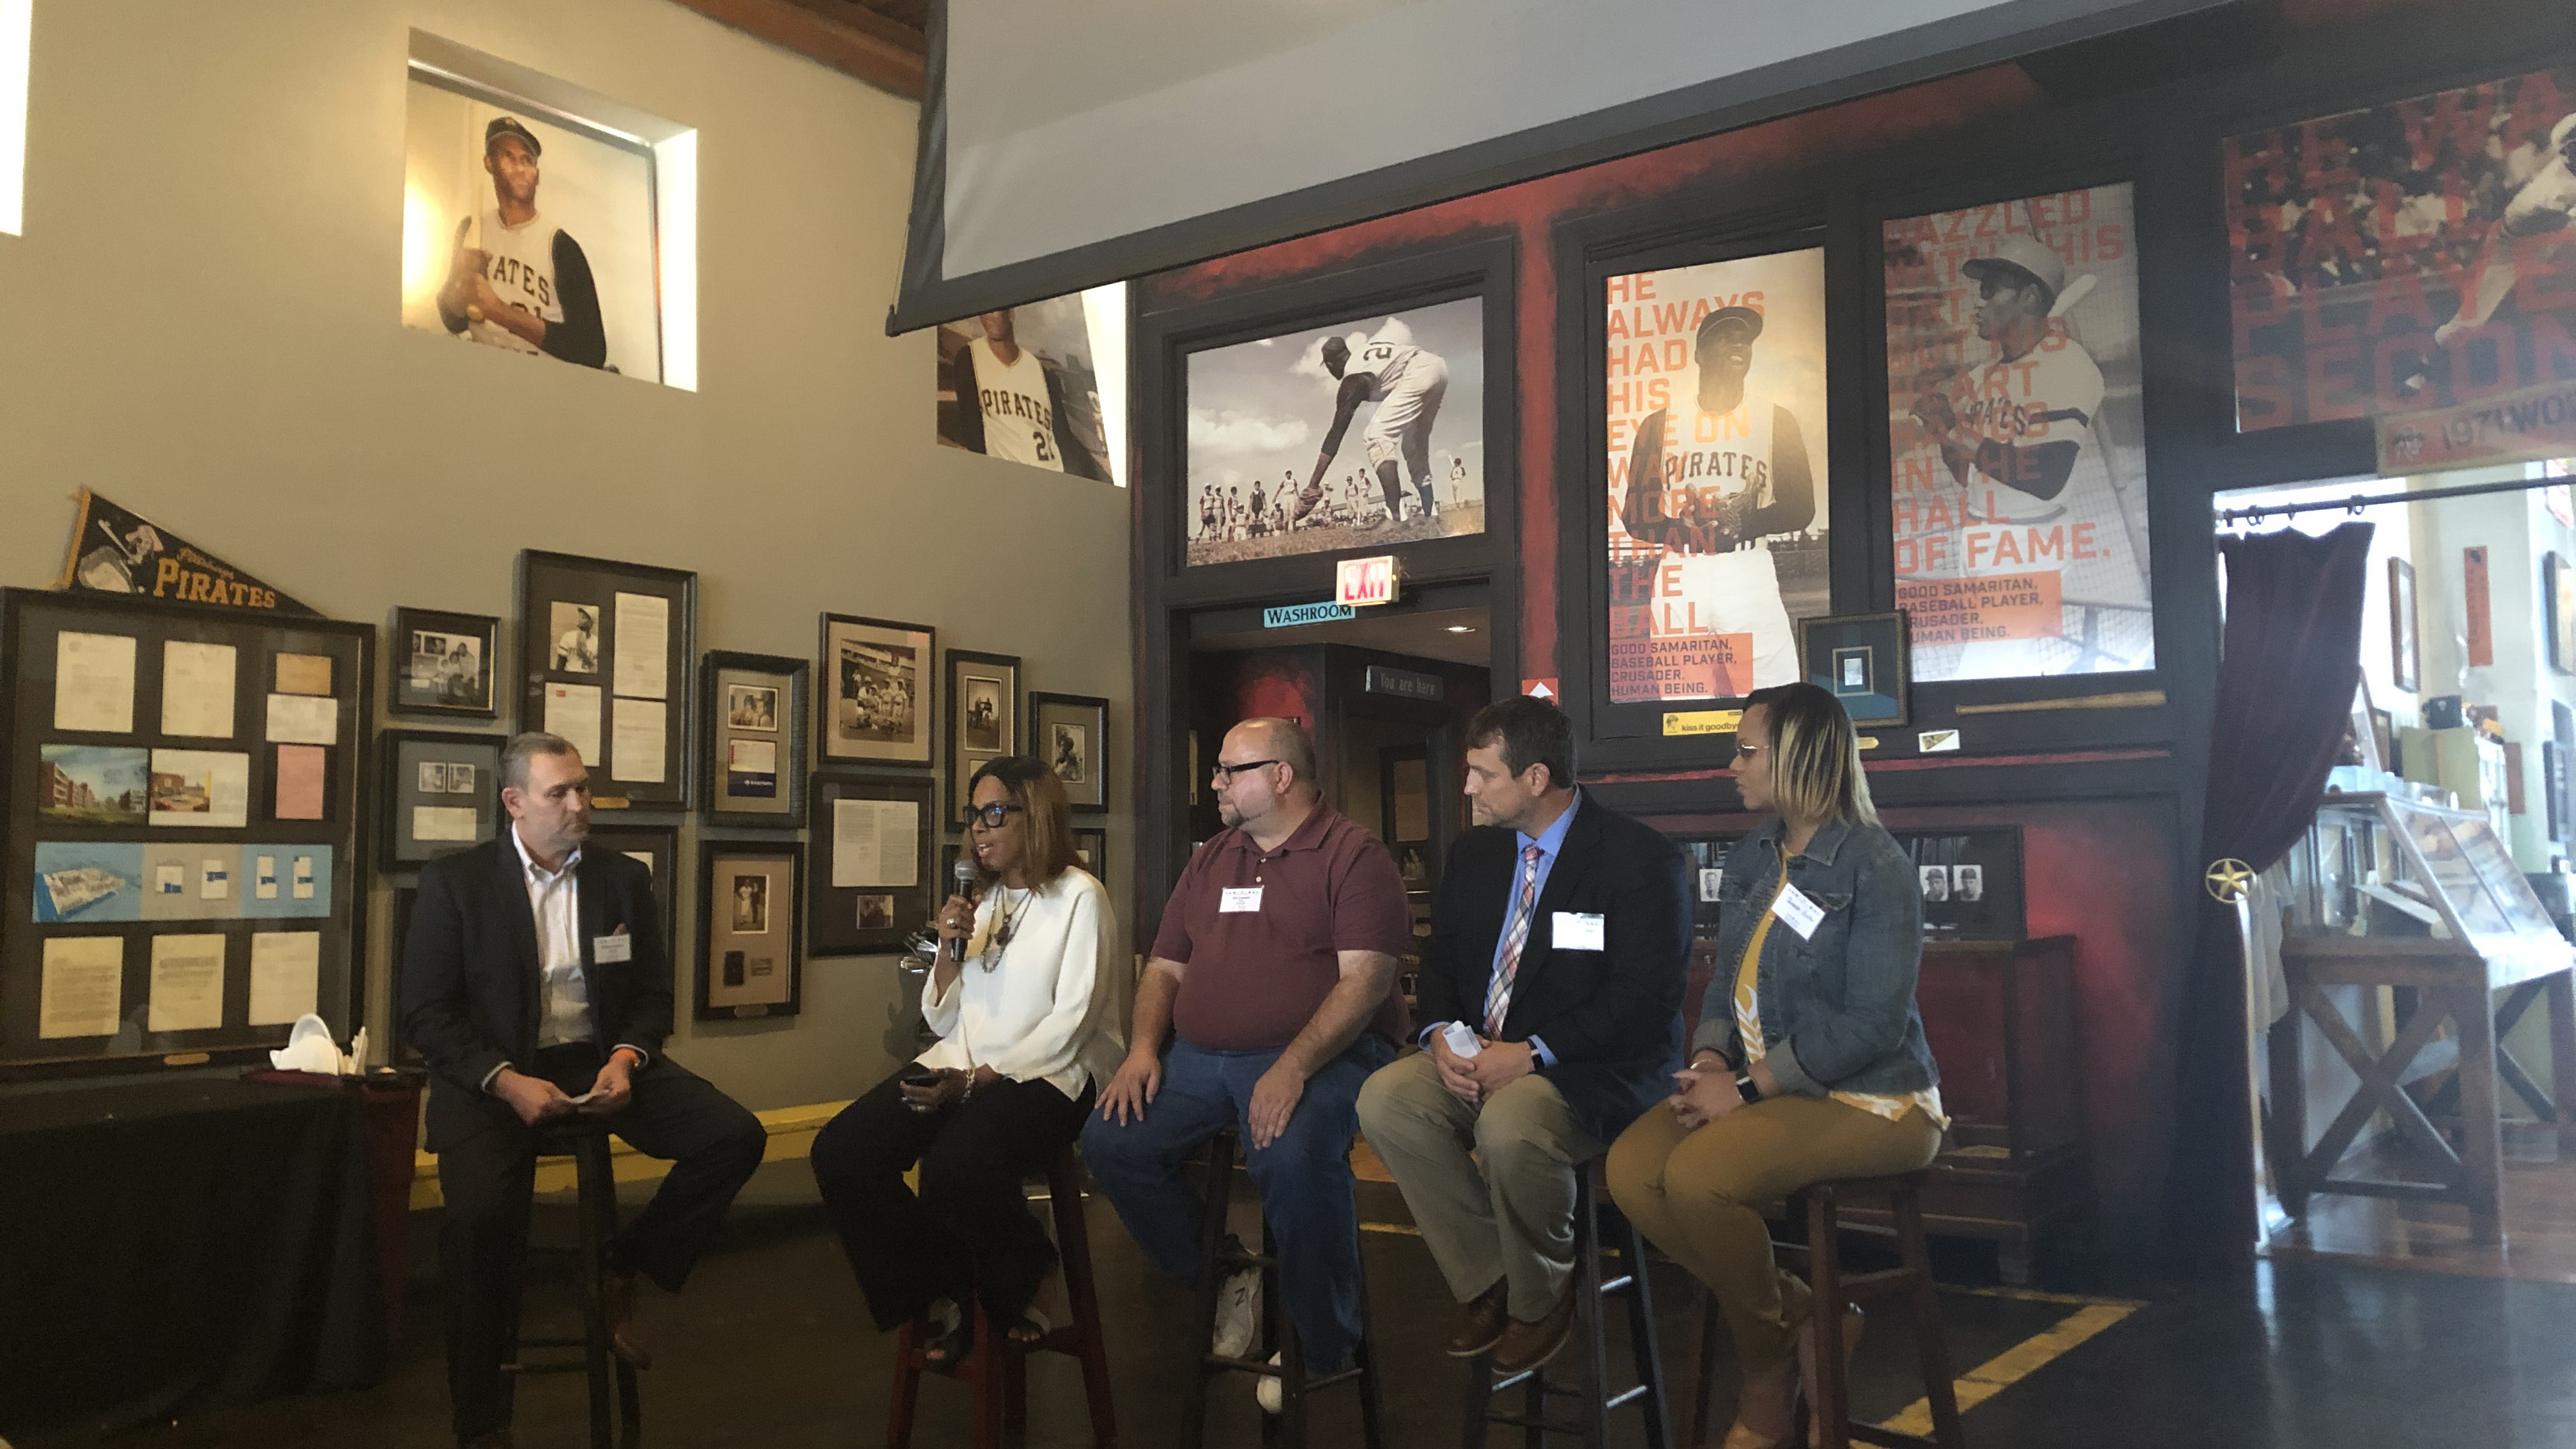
x=1275 y=973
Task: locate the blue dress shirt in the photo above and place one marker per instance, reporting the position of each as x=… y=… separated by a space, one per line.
x=1549 y=842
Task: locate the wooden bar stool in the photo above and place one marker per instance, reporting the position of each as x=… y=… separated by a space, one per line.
x=1590 y=1388
x=1819 y=1261
x=1287 y=1428
x=998 y=1369
x=585 y=1141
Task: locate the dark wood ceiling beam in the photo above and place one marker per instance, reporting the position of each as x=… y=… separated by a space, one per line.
x=849 y=39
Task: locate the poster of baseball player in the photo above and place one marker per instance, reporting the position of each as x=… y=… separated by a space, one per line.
x=2407 y=258
x=2017 y=439
x=1717 y=440
x=1360 y=434
x=525 y=234
x=1020 y=384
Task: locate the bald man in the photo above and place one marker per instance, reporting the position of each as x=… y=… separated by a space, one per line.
x=1274 y=975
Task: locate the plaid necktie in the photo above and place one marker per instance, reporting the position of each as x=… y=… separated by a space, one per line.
x=1498 y=997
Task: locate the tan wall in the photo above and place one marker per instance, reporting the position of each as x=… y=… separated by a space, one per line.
x=202 y=321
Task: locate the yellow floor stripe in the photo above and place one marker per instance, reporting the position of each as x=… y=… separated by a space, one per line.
x=2035 y=1295
x=2014 y=1364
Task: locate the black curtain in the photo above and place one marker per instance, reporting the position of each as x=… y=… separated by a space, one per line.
x=2285 y=691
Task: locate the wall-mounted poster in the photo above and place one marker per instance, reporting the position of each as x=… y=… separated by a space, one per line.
x=2016 y=438
x=528 y=231
x=1023 y=384
x=2409 y=258
x=1717 y=439
x=1362 y=433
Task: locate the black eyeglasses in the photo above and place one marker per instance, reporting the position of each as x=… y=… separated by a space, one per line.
x=992 y=816
x=1226 y=773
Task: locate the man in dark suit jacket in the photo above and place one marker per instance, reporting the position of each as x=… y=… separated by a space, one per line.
x=536 y=984
x=1560 y=939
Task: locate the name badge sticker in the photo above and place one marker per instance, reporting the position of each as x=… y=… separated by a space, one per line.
x=611 y=949
x=1576 y=931
x=1797 y=912
x=1240 y=899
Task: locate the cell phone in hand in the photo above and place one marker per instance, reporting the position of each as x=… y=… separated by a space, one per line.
x=917 y=1075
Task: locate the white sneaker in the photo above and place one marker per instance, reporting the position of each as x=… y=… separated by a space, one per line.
x=1238 y=1313
x=1267 y=1392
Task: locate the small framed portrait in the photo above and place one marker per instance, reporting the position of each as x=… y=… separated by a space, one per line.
x=1936 y=882
x=752 y=759
x=873 y=832
x=657 y=849
x=983 y=718
x=441 y=794
x=444 y=663
x=1071 y=733
x=1967 y=883
x=1091 y=848
x=749 y=896
x=1972 y=882
x=574 y=628
x=875 y=698
x=1862 y=660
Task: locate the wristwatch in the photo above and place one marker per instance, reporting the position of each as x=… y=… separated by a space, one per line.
x=1744 y=1088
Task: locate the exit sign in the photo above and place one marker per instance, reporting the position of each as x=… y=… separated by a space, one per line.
x=1360 y=582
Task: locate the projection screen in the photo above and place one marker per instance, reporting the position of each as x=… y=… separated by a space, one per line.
x=1065 y=146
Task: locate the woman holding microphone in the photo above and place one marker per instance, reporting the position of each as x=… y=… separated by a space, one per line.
x=1809 y=1062
x=1023 y=999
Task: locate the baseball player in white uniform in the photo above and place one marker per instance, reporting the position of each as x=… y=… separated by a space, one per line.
x=2018 y=434
x=1011 y=392
x=1709 y=480
x=2544 y=206
x=1407 y=383
x=524 y=285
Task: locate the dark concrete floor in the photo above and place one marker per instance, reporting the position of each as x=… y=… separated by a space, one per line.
x=771 y=1349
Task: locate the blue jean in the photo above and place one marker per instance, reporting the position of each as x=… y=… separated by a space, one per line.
x=1304 y=1179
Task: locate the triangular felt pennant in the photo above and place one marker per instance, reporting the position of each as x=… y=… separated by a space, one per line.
x=116 y=551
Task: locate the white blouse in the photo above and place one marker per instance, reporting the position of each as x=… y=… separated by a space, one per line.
x=1048 y=1010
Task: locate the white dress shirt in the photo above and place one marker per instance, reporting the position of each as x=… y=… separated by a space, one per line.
x=563 y=1011
x=1049 y=1009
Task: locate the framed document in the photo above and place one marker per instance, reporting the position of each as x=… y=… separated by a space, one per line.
x=605 y=649
x=753 y=759
x=983 y=719
x=750 y=894
x=875 y=703
x=444 y=664
x=1091 y=848
x=873 y=884
x=1071 y=733
x=1861 y=660
x=442 y=794
x=657 y=849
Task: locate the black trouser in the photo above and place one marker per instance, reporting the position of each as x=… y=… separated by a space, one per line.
x=970 y=1228
x=714 y=1145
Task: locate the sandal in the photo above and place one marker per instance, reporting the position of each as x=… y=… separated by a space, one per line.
x=954 y=1338
x=1030 y=1330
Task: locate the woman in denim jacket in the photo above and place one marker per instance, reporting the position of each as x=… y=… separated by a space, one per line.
x=1809 y=1062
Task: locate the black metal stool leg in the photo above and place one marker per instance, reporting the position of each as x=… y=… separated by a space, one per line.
x=1194 y=1387
x=593 y=1182
x=1641 y=1335
x=1372 y=1408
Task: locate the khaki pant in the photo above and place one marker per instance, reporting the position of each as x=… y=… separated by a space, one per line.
x=1514 y=1218
x=1699 y=1194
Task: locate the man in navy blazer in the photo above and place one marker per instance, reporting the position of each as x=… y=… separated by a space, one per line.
x=1552 y=988
x=536 y=984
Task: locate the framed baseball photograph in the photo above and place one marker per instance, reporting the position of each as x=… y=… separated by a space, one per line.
x=605 y=649
x=444 y=664
x=657 y=849
x=1071 y=733
x=1716 y=435
x=1367 y=432
x=1861 y=660
x=441 y=794
x=2017 y=437
x=873 y=886
x=1971 y=882
x=1023 y=385
x=751 y=762
x=876 y=701
x=527 y=230
x=983 y=719
x=750 y=898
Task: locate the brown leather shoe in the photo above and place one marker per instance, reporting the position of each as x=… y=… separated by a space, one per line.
x=1481 y=1321
x=619 y=1291
x=1527 y=1345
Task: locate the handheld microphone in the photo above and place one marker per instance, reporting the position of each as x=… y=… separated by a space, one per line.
x=963 y=871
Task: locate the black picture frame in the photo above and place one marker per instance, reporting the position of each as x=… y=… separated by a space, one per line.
x=733 y=687
x=1982 y=896
x=1091 y=844
x=409 y=763
x=658 y=846
x=601 y=684
x=409 y=687
x=982 y=727
x=2404 y=649
x=1088 y=714
x=834 y=913
x=1879 y=647
x=731 y=962
x=852 y=652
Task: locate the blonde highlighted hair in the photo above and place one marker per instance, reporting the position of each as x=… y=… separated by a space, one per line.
x=1815 y=756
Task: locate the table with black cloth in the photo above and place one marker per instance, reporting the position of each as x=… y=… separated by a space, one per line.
x=166 y=1247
